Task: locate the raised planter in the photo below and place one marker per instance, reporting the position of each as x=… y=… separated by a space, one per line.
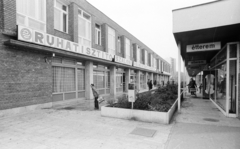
x=140 y=115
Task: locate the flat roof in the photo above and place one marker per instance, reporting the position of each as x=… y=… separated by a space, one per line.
x=197 y=5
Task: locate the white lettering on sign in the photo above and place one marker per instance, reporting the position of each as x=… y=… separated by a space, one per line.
x=29 y=35
x=204 y=47
x=122 y=60
x=198 y=62
x=144 y=66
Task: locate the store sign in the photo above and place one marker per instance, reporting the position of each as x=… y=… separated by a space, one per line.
x=204 y=47
x=122 y=60
x=198 y=62
x=33 y=36
x=136 y=64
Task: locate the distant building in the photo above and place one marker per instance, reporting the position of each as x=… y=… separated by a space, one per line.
x=172 y=62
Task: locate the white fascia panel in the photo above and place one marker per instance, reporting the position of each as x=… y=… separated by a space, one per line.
x=220 y=13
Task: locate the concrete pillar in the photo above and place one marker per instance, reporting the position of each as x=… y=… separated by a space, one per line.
x=127 y=78
x=138 y=80
x=88 y=80
x=113 y=81
x=179 y=77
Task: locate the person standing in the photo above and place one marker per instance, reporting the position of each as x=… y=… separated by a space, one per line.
x=96 y=95
x=150 y=84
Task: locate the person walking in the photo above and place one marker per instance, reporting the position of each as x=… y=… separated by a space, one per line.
x=96 y=95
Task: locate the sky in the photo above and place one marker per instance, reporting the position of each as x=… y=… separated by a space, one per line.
x=150 y=21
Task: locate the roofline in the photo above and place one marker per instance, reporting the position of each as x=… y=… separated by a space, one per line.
x=197 y=5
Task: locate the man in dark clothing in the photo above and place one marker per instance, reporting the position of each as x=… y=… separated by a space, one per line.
x=96 y=95
x=150 y=85
x=192 y=85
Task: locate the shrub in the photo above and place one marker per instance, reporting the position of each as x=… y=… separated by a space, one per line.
x=143 y=100
x=123 y=102
x=161 y=100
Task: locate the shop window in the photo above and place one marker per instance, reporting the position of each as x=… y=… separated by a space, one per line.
x=142 y=81
x=97 y=34
x=84 y=28
x=81 y=79
x=32 y=14
x=60 y=16
x=63 y=79
x=111 y=41
x=101 y=80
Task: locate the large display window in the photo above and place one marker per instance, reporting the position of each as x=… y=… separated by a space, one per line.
x=222 y=82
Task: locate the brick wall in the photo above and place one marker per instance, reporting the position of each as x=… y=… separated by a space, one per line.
x=8 y=16
x=25 y=77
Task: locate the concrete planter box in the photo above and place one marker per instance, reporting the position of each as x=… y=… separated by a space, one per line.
x=140 y=115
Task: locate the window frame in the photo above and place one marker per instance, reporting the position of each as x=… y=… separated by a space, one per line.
x=26 y=16
x=61 y=18
x=98 y=40
x=86 y=29
x=128 y=53
x=119 y=45
x=114 y=46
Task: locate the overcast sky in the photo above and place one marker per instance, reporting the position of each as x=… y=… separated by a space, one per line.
x=148 y=20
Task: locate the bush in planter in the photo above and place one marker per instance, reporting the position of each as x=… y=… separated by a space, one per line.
x=143 y=100
x=164 y=97
x=123 y=102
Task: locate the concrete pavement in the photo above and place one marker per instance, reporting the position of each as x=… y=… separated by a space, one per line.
x=199 y=125
x=76 y=129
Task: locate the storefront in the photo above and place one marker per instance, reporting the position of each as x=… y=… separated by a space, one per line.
x=101 y=79
x=120 y=80
x=212 y=47
x=68 y=79
x=221 y=84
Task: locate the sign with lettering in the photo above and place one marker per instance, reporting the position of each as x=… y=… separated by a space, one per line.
x=197 y=62
x=136 y=64
x=204 y=47
x=33 y=36
x=122 y=60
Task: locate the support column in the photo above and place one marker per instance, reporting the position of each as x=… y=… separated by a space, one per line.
x=138 y=80
x=179 y=77
x=113 y=81
x=88 y=80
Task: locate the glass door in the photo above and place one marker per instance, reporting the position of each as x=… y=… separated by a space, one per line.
x=232 y=79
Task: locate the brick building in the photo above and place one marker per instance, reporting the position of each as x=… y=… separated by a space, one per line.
x=52 y=50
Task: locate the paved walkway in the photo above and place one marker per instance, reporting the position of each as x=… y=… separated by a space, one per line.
x=199 y=125
x=70 y=128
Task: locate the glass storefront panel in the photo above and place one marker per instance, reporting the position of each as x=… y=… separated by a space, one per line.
x=232 y=85
x=142 y=81
x=221 y=85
